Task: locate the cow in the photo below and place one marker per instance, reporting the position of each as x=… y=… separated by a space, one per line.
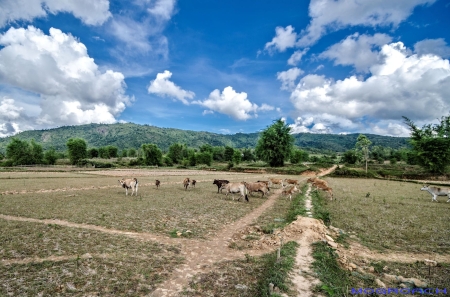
x=193 y=182
x=290 y=191
x=186 y=183
x=288 y=181
x=157 y=183
x=257 y=187
x=129 y=183
x=326 y=189
x=276 y=181
x=236 y=188
x=220 y=183
x=436 y=191
x=266 y=182
x=316 y=181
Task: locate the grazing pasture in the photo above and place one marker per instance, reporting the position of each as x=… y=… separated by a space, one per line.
x=390 y=215
x=79 y=262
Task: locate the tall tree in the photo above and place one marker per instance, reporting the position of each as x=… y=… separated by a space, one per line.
x=19 y=152
x=362 y=144
x=50 y=156
x=431 y=144
x=152 y=154
x=275 y=144
x=77 y=149
x=228 y=153
x=176 y=153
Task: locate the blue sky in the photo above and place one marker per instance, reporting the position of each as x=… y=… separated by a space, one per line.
x=325 y=66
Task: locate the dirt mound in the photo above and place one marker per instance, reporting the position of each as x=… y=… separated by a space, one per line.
x=307 y=230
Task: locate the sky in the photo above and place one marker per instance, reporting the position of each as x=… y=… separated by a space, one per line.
x=323 y=66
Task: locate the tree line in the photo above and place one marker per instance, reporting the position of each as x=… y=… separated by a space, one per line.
x=430 y=149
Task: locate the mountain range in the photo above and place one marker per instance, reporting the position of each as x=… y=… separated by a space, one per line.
x=129 y=135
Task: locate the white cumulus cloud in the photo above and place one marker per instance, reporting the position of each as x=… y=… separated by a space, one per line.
x=360 y=51
x=436 y=47
x=162 y=86
x=233 y=104
x=285 y=38
x=297 y=56
x=58 y=69
x=90 y=12
x=331 y=15
x=289 y=77
x=399 y=84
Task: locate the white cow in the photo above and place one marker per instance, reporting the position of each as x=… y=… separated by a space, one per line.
x=129 y=183
x=236 y=188
x=437 y=191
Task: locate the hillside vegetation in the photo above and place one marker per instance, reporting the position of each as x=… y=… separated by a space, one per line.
x=125 y=136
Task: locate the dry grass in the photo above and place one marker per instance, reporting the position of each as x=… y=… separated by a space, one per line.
x=390 y=215
x=160 y=211
x=115 y=265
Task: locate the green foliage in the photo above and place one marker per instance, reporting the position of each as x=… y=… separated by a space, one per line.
x=131 y=153
x=77 y=150
x=248 y=155
x=124 y=153
x=275 y=144
x=152 y=154
x=431 y=145
x=204 y=158
x=298 y=156
x=176 y=152
x=237 y=156
x=167 y=161
x=362 y=144
x=93 y=153
x=192 y=158
x=219 y=153
x=206 y=148
x=20 y=152
x=50 y=156
x=350 y=157
x=112 y=151
x=228 y=153
x=103 y=152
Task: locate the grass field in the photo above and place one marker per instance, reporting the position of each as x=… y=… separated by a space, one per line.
x=391 y=215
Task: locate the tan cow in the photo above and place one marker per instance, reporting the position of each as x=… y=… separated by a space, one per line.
x=290 y=191
x=326 y=189
x=186 y=183
x=276 y=181
x=236 y=188
x=288 y=181
x=316 y=181
x=266 y=182
x=257 y=187
x=129 y=183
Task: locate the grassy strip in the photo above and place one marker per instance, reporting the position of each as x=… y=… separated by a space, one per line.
x=297 y=207
x=277 y=271
x=320 y=211
x=335 y=281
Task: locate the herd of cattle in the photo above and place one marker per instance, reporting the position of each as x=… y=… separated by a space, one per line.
x=243 y=188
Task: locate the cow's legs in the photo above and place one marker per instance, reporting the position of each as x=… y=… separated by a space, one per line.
x=434 y=198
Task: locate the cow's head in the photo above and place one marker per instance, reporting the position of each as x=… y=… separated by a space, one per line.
x=424 y=188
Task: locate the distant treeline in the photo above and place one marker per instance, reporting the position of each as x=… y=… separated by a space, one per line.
x=133 y=136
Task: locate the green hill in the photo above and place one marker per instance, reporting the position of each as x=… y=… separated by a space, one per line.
x=133 y=136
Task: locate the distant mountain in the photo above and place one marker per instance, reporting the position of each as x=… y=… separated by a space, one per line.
x=133 y=136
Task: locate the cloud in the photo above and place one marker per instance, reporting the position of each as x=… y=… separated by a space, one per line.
x=297 y=56
x=288 y=78
x=163 y=9
x=285 y=38
x=436 y=47
x=399 y=84
x=56 y=67
x=89 y=12
x=233 y=104
x=356 y=50
x=162 y=86
x=332 y=15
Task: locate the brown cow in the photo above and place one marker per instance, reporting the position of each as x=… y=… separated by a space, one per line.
x=290 y=191
x=276 y=181
x=266 y=182
x=288 y=181
x=157 y=183
x=257 y=187
x=193 y=182
x=316 y=181
x=220 y=184
x=326 y=189
x=186 y=183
